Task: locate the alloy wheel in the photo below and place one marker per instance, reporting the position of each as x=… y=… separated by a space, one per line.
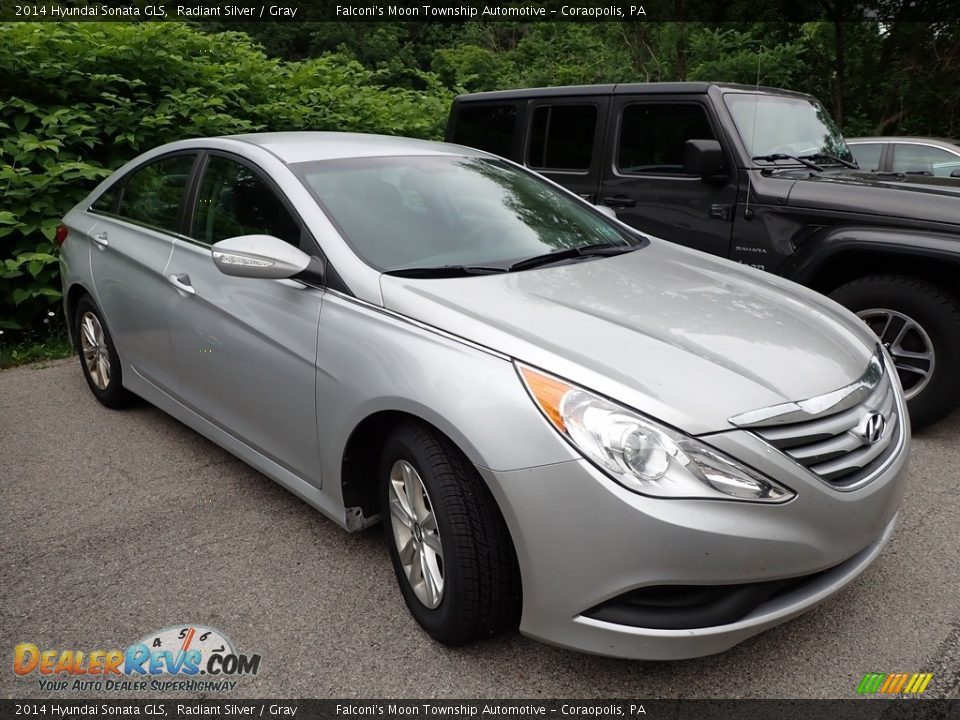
x=416 y=533
x=93 y=344
x=908 y=344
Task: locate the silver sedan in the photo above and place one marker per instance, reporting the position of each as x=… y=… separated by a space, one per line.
x=624 y=446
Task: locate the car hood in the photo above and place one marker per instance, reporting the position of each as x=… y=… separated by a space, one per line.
x=680 y=335
x=919 y=197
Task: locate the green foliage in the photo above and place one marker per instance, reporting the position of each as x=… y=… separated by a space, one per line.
x=568 y=54
x=47 y=340
x=50 y=346
x=740 y=57
x=80 y=99
x=470 y=67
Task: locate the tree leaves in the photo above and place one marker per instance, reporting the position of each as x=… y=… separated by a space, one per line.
x=80 y=99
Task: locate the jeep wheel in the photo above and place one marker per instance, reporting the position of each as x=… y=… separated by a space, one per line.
x=919 y=324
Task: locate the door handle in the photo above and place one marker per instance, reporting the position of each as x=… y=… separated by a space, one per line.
x=619 y=201
x=182 y=283
x=720 y=212
x=101 y=238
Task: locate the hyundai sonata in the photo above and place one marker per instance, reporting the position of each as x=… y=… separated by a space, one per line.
x=625 y=446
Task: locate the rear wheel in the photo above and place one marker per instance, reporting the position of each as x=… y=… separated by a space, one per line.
x=98 y=356
x=919 y=324
x=448 y=542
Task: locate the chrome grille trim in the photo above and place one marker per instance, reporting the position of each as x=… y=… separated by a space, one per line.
x=821 y=405
x=831 y=448
x=858 y=460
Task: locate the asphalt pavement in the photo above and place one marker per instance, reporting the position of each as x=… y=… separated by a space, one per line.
x=118 y=523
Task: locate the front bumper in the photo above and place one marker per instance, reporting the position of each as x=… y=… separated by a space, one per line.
x=583 y=540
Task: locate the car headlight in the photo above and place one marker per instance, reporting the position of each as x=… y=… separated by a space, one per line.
x=643 y=455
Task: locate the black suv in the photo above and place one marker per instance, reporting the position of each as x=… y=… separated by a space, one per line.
x=761 y=176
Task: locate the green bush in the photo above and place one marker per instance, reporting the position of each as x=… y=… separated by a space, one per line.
x=81 y=99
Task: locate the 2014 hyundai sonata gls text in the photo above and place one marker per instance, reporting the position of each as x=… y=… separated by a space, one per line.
x=626 y=446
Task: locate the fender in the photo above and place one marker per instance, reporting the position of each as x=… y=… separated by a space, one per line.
x=821 y=248
x=407 y=372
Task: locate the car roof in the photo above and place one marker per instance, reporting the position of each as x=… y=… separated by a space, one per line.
x=654 y=88
x=906 y=138
x=292 y=147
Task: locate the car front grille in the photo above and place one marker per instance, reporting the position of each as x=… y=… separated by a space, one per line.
x=844 y=437
x=833 y=447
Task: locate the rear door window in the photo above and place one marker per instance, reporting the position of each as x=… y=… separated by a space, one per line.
x=924 y=160
x=652 y=136
x=108 y=200
x=867 y=155
x=488 y=127
x=561 y=137
x=153 y=194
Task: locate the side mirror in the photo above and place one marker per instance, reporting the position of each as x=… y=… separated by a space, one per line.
x=262 y=256
x=702 y=157
x=955 y=173
x=607 y=210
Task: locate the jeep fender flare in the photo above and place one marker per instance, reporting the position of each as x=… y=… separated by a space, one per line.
x=824 y=257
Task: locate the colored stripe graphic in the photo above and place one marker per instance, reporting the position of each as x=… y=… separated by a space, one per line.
x=894 y=683
x=889 y=682
x=871 y=683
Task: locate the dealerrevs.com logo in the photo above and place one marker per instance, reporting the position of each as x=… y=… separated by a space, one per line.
x=187 y=657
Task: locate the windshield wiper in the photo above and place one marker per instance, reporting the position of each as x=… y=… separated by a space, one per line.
x=449 y=271
x=784 y=156
x=830 y=158
x=444 y=271
x=598 y=250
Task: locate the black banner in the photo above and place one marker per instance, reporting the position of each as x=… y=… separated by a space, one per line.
x=858 y=709
x=458 y=11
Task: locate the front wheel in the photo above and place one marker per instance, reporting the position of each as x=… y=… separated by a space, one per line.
x=449 y=544
x=919 y=324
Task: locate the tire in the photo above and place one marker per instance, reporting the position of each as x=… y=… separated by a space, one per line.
x=936 y=315
x=98 y=356
x=479 y=577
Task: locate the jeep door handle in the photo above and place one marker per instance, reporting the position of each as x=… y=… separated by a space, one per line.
x=619 y=201
x=182 y=283
x=101 y=238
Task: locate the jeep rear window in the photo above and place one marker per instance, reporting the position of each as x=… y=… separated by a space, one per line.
x=486 y=127
x=561 y=137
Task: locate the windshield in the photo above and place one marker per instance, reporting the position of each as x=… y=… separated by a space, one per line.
x=438 y=211
x=775 y=124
